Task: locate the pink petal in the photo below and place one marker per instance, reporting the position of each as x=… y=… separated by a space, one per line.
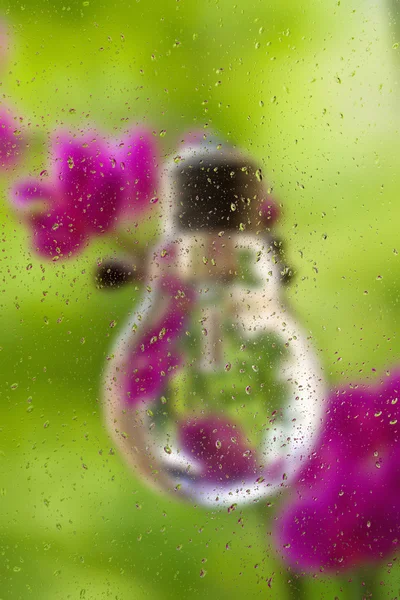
x=29 y=195
x=89 y=185
x=155 y=357
x=137 y=154
x=221 y=448
x=269 y=211
x=56 y=235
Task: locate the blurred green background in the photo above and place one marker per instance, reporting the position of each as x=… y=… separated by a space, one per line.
x=310 y=89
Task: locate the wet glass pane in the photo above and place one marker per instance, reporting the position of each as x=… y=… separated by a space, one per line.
x=199 y=299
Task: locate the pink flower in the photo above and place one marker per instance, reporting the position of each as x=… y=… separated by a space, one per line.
x=11 y=140
x=269 y=211
x=136 y=155
x=155 y=357
x=221 y=448
x=93 y=183
x=345 y=507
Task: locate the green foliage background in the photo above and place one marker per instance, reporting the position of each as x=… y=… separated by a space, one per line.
x=311 y=90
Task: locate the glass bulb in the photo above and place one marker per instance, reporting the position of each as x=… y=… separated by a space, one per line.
x=213 y=391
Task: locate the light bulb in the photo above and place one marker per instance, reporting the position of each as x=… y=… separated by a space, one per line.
x=213 y=391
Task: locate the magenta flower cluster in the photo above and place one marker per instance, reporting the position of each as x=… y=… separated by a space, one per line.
x=92 y=184
x=344 y=509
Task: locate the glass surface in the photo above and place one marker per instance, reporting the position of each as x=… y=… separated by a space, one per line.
x=199 y=299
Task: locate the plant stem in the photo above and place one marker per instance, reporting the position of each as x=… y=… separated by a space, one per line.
x=364 y=585
x=296 y=588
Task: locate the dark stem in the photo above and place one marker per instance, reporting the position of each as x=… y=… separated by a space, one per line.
x=113 y=273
